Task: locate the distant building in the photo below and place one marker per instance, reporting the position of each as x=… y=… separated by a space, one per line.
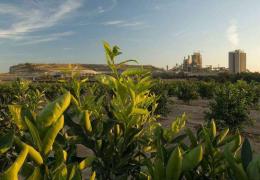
x=237 y=61
x=187 y=63
x=193 y=63
x=196 y=60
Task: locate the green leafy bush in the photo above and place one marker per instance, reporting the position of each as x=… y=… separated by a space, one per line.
x=116 y=132
x=203 y=156
x=20 y=93
x=160 y=89
x=251 y=90
x=172 y=88
x=206 y=90
x=51 y=90
x=186 y=91
x=230 y=106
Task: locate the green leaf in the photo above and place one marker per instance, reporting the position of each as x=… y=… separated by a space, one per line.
x=174 y=165
x=234 y=144
x=84 y=80
x=51 y=135
x=127 y=61
x=192 y=137
x=179 y=138
x=60 y=156
x=53 y=111
x=61 y=173
x=246 y=153
x=161 y=152
x=237 y=169
x=159 y=169
x=133 y=71
x=74 y=172
x=86 y=121
x=6 y=142
x=109 y=54
x=35 y=155
x=34 y=133
x=213 y=129
x=139 y=111
x=149 y=165
x=12 y=171
x=192 y=158
x=253 y=169
x=178 y=124
x=36 y=175
x=75 y=101
x=27 y=169
x=16 y=113
x=208 y=140
x=93 y=176
x=222 y=135
x=86 y=162
x=109 y=81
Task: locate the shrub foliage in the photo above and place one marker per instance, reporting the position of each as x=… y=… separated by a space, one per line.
x=230 y=105
x=186 y=91
x=118 y=126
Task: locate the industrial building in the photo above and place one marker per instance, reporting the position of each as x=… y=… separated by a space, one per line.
x=237 y=61
x=193 y=62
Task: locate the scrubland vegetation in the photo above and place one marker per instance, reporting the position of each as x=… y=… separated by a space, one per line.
x=116 y=119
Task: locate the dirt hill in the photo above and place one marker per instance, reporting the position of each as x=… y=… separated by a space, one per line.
x=43 y=68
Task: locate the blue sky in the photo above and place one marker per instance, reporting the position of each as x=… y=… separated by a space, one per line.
x=157 y=32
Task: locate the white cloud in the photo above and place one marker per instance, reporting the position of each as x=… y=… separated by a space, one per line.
x=34 y=18
x=101 y=9
x=109 y=23
x=44 y=38
x=121 y=23
x=232 y=34
x=131 y=24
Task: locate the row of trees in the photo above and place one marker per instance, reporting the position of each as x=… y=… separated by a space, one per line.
x=190 y=90
x=221 y=77
x=229 y=103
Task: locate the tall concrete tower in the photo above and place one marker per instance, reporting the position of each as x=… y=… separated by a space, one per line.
x=237 y=61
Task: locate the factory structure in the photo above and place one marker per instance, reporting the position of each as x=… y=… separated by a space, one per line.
x=237 y=61
x=193 y=64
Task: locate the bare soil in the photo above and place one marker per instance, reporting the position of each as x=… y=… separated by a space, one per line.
x=196 y=112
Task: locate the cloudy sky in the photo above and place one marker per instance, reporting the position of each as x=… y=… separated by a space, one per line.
x=157 y=32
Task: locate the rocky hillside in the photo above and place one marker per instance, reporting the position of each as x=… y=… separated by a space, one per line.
x=47 y=68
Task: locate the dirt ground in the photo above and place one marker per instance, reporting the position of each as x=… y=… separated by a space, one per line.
x=196 y=112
